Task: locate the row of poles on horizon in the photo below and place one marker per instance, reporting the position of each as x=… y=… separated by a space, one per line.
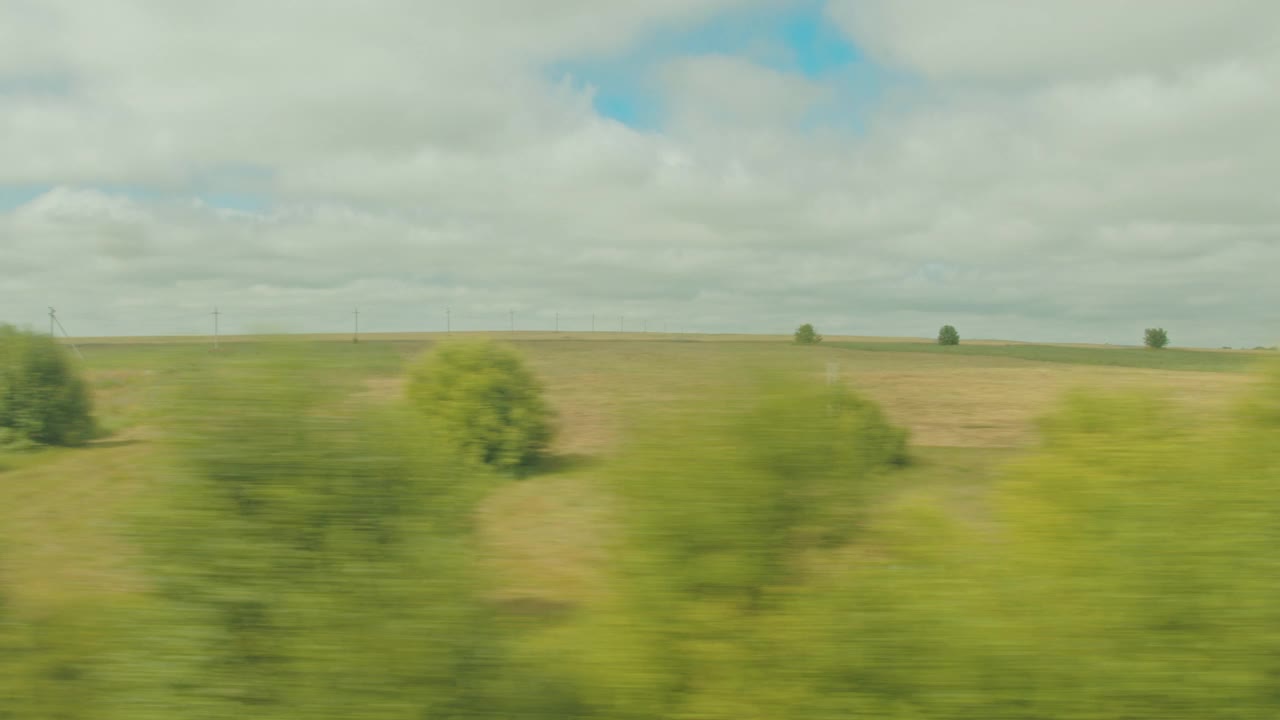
x=55 y=325
x=448 y=323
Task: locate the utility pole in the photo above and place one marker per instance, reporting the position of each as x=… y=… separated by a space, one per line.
x=448 y=320
x=355 y=337
x=215 y=327
x=53 y=318
x=512 y=314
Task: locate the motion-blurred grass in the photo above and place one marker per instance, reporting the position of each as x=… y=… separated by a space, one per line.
x=266 y=536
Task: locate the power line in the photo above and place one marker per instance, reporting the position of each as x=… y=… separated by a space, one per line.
x=53 y=319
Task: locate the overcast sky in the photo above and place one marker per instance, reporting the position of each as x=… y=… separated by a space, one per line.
x=1070 y=170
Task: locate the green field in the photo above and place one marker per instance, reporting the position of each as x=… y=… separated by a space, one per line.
x=543 y=543
x=967 y=408
x=1132 y=357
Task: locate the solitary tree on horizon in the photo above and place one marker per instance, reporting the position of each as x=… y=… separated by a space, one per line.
x=948 y=336
x=1155 y=338
x=806 y=335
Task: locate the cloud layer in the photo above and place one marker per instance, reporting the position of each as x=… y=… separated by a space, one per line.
x=1074 y=173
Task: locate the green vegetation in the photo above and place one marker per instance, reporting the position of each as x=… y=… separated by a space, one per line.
x=309 y=559
x=948 y=336
x=719 y=514
x=1155 y=338
x=1121 y=572
x=1198 y=360
x=42 y=398
x=482 y=398
x=282 y=532
x=806 y=335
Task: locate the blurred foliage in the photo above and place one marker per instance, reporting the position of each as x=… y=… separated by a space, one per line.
x=482 y=398
x=722 y=510
x=948 y=336
x=42 y=397
x=806 y=335
x=311 y=558
x=1155 y=338
x=1126 y=570
x=309 y=555
x=52 y=664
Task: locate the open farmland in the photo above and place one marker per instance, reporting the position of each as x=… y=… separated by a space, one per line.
x=966 y=410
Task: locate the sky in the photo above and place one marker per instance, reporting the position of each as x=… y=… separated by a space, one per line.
x=1066 y=170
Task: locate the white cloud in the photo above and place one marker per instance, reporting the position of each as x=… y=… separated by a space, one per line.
x=1028 y=183
x=1008 y=40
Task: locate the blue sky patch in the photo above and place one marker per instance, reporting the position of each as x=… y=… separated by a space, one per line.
x=798 y=40
x=12 y=196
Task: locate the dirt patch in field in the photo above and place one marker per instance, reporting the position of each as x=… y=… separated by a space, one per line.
x=998 y=406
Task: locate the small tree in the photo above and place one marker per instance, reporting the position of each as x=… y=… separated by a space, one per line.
x=484 y=400
x=806 y=335
x=1156 y=338
x=308 y=559
x=948 y=336
x=42 y=398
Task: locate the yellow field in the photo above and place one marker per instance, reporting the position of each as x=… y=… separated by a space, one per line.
x=60 y=511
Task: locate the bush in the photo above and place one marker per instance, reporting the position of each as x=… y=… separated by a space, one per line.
x=1155 y=338
x=1134 y=541
x=806 y=335
x=307 y=559
x=42 y=398
x=723 y=508
x=481 y=397
x=948 y=336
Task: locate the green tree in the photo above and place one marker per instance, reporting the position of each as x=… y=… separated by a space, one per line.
x=42 y=397
x=948 y=336
x=723 y=508
x=1123 y=571
x=1155 y=338
x=482 y=398
x=310 y=559
x=806 y=335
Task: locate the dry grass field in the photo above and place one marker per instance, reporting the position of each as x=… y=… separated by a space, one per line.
x=61 y=511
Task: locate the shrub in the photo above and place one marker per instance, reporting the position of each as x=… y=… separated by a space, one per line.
x=482 y=398
x=1155 y=338
x=1109 y=559
x=723 y=507
x=806 y=335
x=306 y=560
x=948 y=336
x=42 y=398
